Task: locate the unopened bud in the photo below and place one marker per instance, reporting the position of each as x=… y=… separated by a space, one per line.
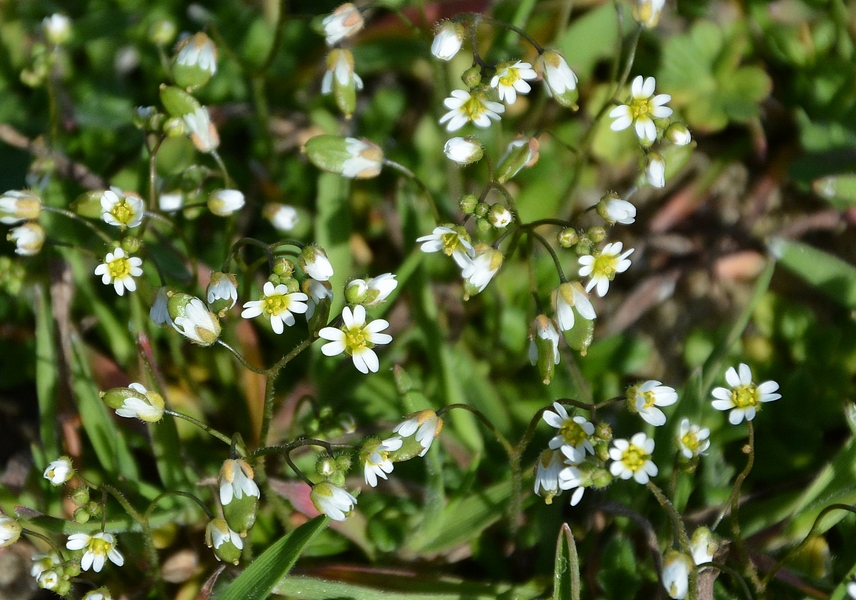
x=472 y=77
x=568 y=237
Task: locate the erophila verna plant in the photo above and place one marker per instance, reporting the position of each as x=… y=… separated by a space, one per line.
x=423 y=299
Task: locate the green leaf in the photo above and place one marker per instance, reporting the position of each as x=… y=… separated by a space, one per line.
x=825 y=272
x=838 y=190
x=46 y=373
x=310 y=588
x=261 y=577
x=566 y=573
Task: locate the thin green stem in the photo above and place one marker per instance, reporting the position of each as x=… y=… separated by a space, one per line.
x=247 y=242
x=515 y=29
x=677 y=524
x=509 y=449
x=293 y=354
x=267 y=414
x=435 y=211
x=45 y=539
x=241 y=359
x=154 y=502
x=78 y=218
x=207 y=429
x=227 y=181
x=733 y=573
x=552 y=253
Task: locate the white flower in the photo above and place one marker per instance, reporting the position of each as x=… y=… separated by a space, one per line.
x=647 y=12
x=676 y=574
x=602 y=267
x=365 y=159
x=375 y=458
x=851 y=589
x=744 y=398
x=615 y=210
x=227 y=544
x=59 y=471
x=703 y=545
x=655 y=171
x=567 y=297
x=314 y=262
x=149 y=410
x=692 y=439
x=282 y=216
x=197 y=323
x=277 y=304
x=510 y=79
x=121 y=209
x=202 y=132
x=57 y=28
x=317 y=292
x=29 y=238
x=333 y=501
x=198 y=51
x=478 y=271
x=120 y=270
x=159 y=313
x=225 y=202
x=48 y=580
x=99 y=548
x=100 y=594
x=340 y=67
x=223 y=289
x=470 y=106
x=17 y=206
x=171 y=201
x=343 y=22
x=645 y=397
x=557 y=74
x=44 y=562
x=547 y=475
x=448 y=39
x=454 y=242
x=463 y=150
x=10 y=531
x=426 y=424
x=236 y=479
x=678 y=134
x=544 y=329
x=572 y=478
x=371 y=293
x=574 y=433
x=356 y=338
x=633 y=458
x=641 y=110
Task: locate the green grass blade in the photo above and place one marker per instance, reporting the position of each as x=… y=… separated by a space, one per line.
x=46 y=373
x=825 y=272
x=566 y=573
x=261 y=577
x=311 y=588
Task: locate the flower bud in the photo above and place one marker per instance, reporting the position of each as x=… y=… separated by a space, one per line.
x=349 y=157
x=29 y=238
x=240 y=514
x=10 y=531
x=57 y=29
x=676 y=573
x=478 y=272
x=544 y=347
x=17 y=206
x=448 y=39
x=472 y=77
x=520 y=153
x=314 y=262
x=356 y=290
x=596 y=234
x=282 y=216
x=81 y=515
x=224 y=203
x=341 y=80
x=79 y=495
x=320 y=295
x=343 y=462
x=655 y=172
x=226 y=543
x=135 y=401
x=325 y=466
x=202 y=132
x=468 y=203
x=332 y=500
x=613 y=209
x=59 y=471
x=222 y=292
x=647 y=13
x=195 y=61
x=174 y=127
x=567 y=237
x=192 y=319
x=704 y=545
x=49 y=580
x=162 y=32
x=499 y=216
x=561 y=81
x=101 y=593
x=343 y=22
x=159 y=313
x=463 y=150
x=88 y=204
x=678 y=134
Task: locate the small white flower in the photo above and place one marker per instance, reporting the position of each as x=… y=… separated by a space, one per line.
x=202 y=132
x=282 y=216
x=198 y=324
x=647 y=12
x=57 y=28
x=29 y=238
x=317 y=292
x=17 y=206
x=568 y=297
x=99 y=548
x=159 y=313
x=365 y=159
x=557 y=74
x=510 y=80
x=236 y=479
x=314 y=262
x=48 y=580
x=333 y=501
x=744 y=398
x=645 y=397
x=448 y=39
x=478 y=271
x=375 y=458
x=171 y=201
x=120 y=270
x=463 y=150
x=198 y=51
x=454 y=242
x=225 y=202
x=692 y=439
x=655 y=171
x=574 y=433
x=641 y=110
x=678 y=134
x=59 y=471
x=703 y=545
x=851 y=589
x=615 y=210
x=633 y=458
x=426 y=424
x=10 y=531
x=356 y=338
x=602 y=267
x=371 y=293
x=121 y=209
x=547 y=475
x=44 y=562
x=149 y=410
x=544 y=329
x=343 y=22
x=472 y=107
x=676 y=574
x=277 y=304
x=572 y=478
x=499 y=216
x=223 y=289
x=340 y=70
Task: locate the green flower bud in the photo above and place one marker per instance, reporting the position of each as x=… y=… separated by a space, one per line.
x=482 y=208
x=596 y=234
x=483 y=224
x=177 y=102
x=544 y=347
x=80 y=495
x=601 y=479
x=678 y=134
x=326 y=466
x=468 y=203
x=81 y=515
x=240 y=513
x=174 y=127
x=195 y=61
x=192 y=319
x=584 y=246
x=226 y=543
x=520 y=153
x=88 y=204
x=222 y=292
x=568 y=237
x=349 y=157
x=341 y=81
x=343 y=462
x=131 y=244
x=283 y=266
x=162 y=32
x=472 y=77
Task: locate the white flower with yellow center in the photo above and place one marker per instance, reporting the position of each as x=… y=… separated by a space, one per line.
x=692 y=439
x=343 y=22
x=333 y=501
x=149 y=410
x=547 y=475
x=744 y=398
x=375 y=458
x=59 y=471
x=557 y=73
x=641 y=110
x=340 y=67
x=98 y=548
x=29 y=238
x=644 y=398
x=510 y=80
x=478 y=271
x=121 y=209
x=236 y=479
x=633 y=458
x=277 y=304
x=44 y=562
x=574 y=433
x=356 y=338
x=472 y=106
x=567 y=298
x=426 y=424
x=452 y=241
x=602 y=267
x=120 y=270
x=573 y=478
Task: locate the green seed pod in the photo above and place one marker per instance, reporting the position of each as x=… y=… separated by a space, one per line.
x=178 y=102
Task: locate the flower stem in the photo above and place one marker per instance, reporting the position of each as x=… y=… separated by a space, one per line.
x=207 y=429
x=45 y=539
x=78 y=218
x=241 y=359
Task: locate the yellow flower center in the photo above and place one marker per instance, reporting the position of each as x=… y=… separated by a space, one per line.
x=509 y=78
x=119 y=268
x=649 y=398
x=690 y=441
x=604 y=266
x=276 y=304
x=473 y=107
x=634 y=457
x=573 y=433
x=98 y=546
x=451 y=243
x=356 y=339
x=744 y=396
x=640 y=107
x=122 y=212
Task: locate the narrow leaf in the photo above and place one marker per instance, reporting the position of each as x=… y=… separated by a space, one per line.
x=46 y=373
x=566 y=573
x=825 y=272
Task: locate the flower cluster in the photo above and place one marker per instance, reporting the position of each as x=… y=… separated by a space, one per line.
x=23 y=208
